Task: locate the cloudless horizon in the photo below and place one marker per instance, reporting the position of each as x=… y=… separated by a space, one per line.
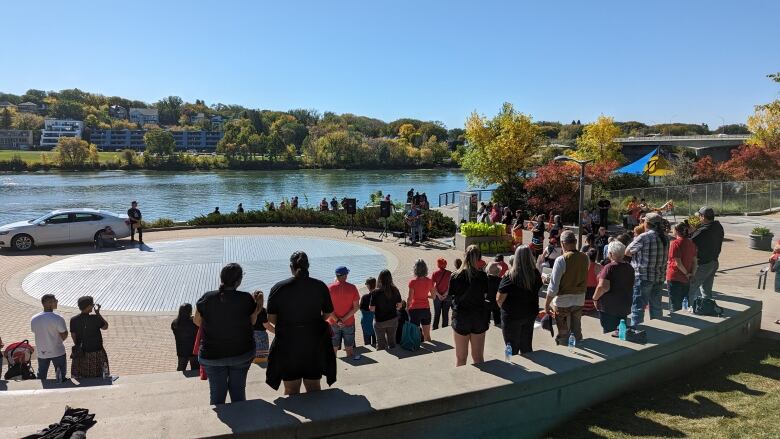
x=693 y=61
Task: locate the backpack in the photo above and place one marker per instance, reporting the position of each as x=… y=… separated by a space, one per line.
x=704 y=306
x=18 y=356
x=411 y=337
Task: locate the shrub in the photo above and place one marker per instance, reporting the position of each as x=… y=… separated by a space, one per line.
x=159 y=223
x=482 y=229
x=760 y=231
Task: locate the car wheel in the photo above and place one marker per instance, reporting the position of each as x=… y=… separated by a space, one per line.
x=22 y=242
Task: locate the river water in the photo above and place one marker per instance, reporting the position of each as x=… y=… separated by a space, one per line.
x=184 y=195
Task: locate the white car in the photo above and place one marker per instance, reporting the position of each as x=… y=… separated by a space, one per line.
x=62 y=227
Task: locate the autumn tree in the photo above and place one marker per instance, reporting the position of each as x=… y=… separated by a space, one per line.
x=597 y=141
x=159 y=142
x=27 y=121
x=72 y=152
x=6 y=120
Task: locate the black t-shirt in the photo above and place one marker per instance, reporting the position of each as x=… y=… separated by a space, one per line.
x=184 y=332
x=468 y=294
x=261 y=318
x=227 y=328
x=299 y=301
x=617 y=301
x=520 y=303
x=385 y=306
x=709 y=240
x=365 y=302
x=86 y=330
x=134 y=214
x=492 y=289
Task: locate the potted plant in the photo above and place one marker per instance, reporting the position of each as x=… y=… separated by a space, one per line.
x=761 y=238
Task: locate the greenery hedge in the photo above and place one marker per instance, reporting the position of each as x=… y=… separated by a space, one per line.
x=368 y=217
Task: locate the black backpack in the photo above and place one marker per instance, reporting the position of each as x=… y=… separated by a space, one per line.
x=704 y=306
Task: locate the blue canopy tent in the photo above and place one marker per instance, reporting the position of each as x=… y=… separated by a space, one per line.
x=652 y=164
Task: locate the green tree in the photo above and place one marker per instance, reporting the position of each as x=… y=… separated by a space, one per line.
x=597 y=141
x=63 y=109
x=72 y=152
x=169 y=109
x=27 y=121
x=159 y=142
x=6 y=120
x=499 y=148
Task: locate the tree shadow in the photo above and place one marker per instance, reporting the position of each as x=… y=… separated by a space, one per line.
x=325 y=404
x=253 y=415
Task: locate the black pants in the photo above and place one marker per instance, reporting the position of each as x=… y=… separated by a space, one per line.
x=441 y=308
x=133 y=229
x=496 y=313
x=192 y=359
x=519 y=334
x=677 y=292
x=609 y=322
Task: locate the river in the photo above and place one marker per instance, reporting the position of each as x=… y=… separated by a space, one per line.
x=184 y=195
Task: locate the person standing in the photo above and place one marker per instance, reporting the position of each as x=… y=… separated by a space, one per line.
x=507 y=219
x=134 y=216
x=346 y=302
x=614 y=292
x=680 y=266
x=302 y=351
x=89 y=358
x=494 y=279
x=442 y=300
x=648 y=253
x=468 y=288
x=566 y=292
x=385 y=303
x=602 y=239
x=240 y=208
x=366 y=316
x=421 y=290
x=518 y=298
x=604 y=205
x=184 y=332
x=228 y=347
x=517 y=228
x=708 y=238
x=50 y=331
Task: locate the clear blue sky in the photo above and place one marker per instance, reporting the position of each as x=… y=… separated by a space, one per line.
x=689 y=61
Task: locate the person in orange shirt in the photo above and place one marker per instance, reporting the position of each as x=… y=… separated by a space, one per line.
x=421 y=290
x=346 y=302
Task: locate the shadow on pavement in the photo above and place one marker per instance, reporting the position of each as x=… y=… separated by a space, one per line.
x=256 y=414
x=509 y=371
x=555 y=362
x=325 y=404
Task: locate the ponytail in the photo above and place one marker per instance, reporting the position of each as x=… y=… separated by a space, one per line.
x=230 y=276
x=299 y=264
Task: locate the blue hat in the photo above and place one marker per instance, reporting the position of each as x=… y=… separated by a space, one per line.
x=342 y=271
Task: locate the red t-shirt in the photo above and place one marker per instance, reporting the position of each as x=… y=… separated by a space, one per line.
x=685 y=250
x=442 y=279
x=592 y=281
x=504 y=268
x=422 y=287
x=343 y=295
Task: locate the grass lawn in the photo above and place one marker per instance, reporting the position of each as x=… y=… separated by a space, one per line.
x=35 y=156
x=737 y=395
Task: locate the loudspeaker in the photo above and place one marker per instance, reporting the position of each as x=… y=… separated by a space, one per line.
x=385 y=209
x=350 y=205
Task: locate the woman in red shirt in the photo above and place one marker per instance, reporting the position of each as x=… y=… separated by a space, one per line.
x=441 y=301
x=421 y=289
x=681 y=266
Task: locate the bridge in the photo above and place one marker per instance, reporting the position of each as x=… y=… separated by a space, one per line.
x=717 y=146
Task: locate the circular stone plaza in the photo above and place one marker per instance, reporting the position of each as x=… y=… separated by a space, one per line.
x=141 y=289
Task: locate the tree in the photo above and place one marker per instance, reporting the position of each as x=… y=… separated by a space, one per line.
x=750 y=162
x=499 y=148
x=407 y=131
x=72 y=152
x=63 y=109
x=27 y=121
x=169 y=109
x=764 y=125
x=555 y=186
x=6 y=120
x=597 y=141
x=159 y=142
x=682 y=171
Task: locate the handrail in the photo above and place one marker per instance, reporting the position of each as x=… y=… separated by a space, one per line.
x=693 y=137
x=451 y=196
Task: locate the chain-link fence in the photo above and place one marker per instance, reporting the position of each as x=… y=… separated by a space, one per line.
x=727 y=198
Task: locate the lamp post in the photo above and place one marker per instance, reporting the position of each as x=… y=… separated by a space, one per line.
x=582 y=163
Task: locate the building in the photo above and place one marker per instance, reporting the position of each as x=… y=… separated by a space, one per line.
x=6 y=104
x=143 y=116
x=53 y=129
x=27 y=107
x=117 y=112
x=217 y=122
x=716 y=146
x=114 y=140
x=16 y=139
x=197 y=118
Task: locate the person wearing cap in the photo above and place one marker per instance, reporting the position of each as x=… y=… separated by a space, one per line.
x=89 y=358
x=649 y=252
x=708 y=238
x=566 y=291
x=346 y=302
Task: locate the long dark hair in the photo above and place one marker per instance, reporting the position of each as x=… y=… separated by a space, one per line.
x=384 y=282
x=185 y=313
x=299 y=264
x=230 y=277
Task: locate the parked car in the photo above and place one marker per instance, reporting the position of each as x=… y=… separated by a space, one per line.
x=62 y=227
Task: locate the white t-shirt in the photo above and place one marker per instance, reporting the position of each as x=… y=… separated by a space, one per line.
x=47 y=327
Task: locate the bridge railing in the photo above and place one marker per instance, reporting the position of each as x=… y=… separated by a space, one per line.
x=727 y=197
x=451 y=197
x=682 y=138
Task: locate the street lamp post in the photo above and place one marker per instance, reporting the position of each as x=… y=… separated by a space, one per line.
x=582 y=163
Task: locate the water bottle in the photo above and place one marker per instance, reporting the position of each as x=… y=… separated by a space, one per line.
x=622 y=329
x=685 y=304
x=572 y=342
x=508 y=353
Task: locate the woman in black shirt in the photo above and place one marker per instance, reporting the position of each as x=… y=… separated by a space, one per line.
x=518 y=297
x=228 y=347
x=468 y=288
x=537 y=236
x=385 y=303
x=184 y=332
x=89 y=357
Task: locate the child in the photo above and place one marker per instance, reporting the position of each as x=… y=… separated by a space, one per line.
x=367 y=317
x=261 y=328
x=592 y=281
x=458 y=263
x=403 y=317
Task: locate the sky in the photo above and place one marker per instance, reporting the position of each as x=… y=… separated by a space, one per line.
x=667 y=60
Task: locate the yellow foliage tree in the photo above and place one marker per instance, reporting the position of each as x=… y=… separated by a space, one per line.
x=72 y=152
x=764 y=125
x=597 y=141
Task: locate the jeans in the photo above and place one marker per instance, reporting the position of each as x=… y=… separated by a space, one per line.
x=609 y=322
x=441 y=308
x=367 y=324
x=227 y=375
x=568 y=320
x=646 y=293
x=133 y=229
x=385 y=333
x=677 y=292
x=702 y=280
x=192 y=360
x=518 y=333
x=60 y=367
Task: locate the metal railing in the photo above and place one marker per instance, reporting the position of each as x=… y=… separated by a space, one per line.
x=727 y=197
x=683 y=138
x=451 y=197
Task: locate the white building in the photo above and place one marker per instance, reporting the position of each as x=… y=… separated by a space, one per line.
x=143 y=116
x=53 y=129
x=27 y=107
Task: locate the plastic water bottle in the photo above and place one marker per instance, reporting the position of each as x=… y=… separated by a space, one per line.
x=572 y=342
x=685 y=304
x=622 y=328
x=508 y=353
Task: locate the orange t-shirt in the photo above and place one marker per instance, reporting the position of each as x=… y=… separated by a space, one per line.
x=422 y=288
x=343 y=295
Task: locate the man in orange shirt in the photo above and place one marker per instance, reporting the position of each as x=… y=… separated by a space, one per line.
x=346 y=302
